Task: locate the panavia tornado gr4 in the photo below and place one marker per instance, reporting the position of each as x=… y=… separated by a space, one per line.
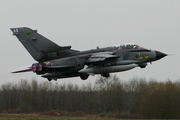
x=54 y=61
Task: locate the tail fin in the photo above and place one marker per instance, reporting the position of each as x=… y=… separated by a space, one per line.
x=38 y=46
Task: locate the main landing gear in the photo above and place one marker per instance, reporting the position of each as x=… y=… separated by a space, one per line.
x=106 y=75
x=84 y=76
x=50 y=79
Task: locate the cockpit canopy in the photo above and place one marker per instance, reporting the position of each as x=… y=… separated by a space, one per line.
x=129 y=46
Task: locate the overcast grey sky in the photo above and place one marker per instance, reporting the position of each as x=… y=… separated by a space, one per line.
x=85 y=24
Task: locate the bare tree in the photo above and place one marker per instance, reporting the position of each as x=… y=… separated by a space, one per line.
x=104 y=83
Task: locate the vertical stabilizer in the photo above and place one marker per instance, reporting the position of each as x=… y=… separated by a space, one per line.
x=37 y=45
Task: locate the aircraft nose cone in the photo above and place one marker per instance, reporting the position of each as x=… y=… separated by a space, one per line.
x=160 y=55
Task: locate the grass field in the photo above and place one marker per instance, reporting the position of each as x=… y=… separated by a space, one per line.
x=68 y=118
x=48 y=117
x=58 y=119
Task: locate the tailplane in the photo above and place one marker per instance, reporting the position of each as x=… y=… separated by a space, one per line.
x=40 y=48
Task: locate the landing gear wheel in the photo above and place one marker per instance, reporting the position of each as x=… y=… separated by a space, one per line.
x=84 y=76
x=106 y=75
x=49 y=79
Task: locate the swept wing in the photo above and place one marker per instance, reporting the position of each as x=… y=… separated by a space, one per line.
x=101 y=56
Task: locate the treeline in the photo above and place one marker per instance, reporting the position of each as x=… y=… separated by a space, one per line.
x=137 y=98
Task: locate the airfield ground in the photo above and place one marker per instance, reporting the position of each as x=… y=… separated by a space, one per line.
x=39 y=116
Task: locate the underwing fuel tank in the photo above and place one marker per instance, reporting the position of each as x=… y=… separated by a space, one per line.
x=107 y=69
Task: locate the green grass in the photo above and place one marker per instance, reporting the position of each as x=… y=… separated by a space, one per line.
x=58 y=119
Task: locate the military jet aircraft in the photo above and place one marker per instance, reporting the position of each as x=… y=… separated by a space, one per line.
x=54 y=61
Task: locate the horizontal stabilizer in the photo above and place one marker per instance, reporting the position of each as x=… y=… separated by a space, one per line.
x=58 y=67
x=25 y=70
x=37 y=68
